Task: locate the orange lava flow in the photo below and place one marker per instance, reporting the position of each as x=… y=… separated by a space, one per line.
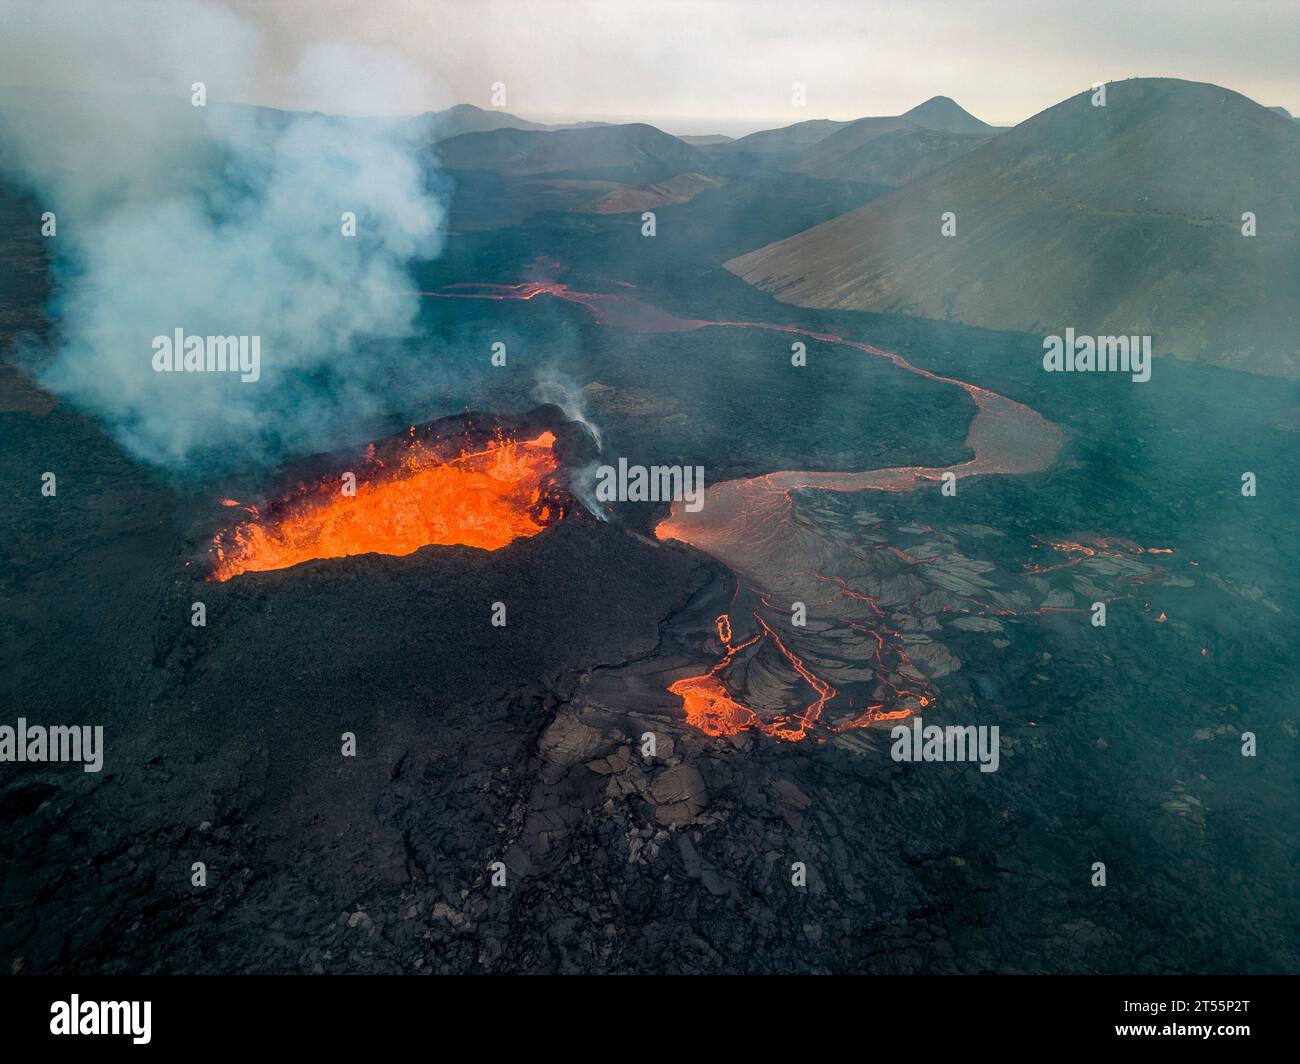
x=1112 y=546
x=483 y=498
x=713 y=711
x=744 y=523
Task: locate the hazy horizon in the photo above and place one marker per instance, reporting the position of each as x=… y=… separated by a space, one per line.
x=681 y=126
x=720 y=67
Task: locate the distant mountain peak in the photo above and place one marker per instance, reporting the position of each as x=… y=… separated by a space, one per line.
x=467 y=118
x=638 y=152
x=1177 y=159
x=939 y=101
x=944 y=115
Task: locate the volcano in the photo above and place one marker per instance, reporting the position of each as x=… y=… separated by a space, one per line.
x=456 y=482
x=274 y=613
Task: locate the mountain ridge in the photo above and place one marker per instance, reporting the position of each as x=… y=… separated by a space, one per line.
x=636 y=147
x=1048 y=213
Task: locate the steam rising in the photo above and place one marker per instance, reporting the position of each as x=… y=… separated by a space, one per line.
x=220 y=220
x=552 y=386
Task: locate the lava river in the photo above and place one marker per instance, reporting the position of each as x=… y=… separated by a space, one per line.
x=780 y=556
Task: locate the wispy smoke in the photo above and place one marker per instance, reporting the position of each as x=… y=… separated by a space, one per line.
x=220 y=220
x=554 y=387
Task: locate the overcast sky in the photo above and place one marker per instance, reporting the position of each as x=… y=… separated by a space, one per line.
x=728 y=65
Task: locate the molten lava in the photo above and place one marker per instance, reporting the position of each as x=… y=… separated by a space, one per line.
x=746 y=525
x=711 y=709
x=486 y=497
x=1111 y=546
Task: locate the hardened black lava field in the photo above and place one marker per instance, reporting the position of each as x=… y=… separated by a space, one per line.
x=630 y=550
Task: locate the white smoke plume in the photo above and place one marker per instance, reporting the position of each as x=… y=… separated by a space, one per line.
x=554 y=387
x=222 y=220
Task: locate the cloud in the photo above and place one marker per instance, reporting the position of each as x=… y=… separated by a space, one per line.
x=220 y=220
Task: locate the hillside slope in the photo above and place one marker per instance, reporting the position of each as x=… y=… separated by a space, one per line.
x=1118 y=219
x=637 y=149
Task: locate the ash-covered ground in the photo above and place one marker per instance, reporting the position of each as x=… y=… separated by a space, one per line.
x=524 y=745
